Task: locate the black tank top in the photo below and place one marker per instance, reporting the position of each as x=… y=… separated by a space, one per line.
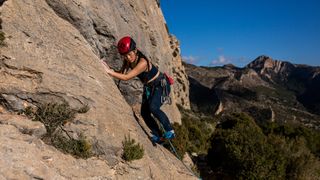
x=146 y=76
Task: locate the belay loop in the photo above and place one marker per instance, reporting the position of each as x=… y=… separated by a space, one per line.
x=165 y=97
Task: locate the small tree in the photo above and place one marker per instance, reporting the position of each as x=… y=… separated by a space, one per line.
x=131 y=150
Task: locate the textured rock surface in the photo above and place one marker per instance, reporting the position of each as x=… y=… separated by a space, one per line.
x=102 y=23
x=181 y=87
x=52 y=59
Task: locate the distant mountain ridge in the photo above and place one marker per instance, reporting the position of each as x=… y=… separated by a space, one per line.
x=304 y=80
x=267 y=89
x=279 y=71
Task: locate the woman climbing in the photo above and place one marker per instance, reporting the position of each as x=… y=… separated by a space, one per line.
x=156 y=86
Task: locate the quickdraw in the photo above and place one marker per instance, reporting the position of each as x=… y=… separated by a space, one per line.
x=165 y=97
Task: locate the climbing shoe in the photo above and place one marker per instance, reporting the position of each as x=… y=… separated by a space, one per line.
x=169 y=135
x=155 y=139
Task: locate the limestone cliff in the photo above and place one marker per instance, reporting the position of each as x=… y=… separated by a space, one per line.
x=181 y=89
x=52 y=55
x=102 y=23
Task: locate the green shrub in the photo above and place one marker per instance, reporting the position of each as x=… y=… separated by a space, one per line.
x=180 y=142
x=312 y=138
x=53 y=116
x=193 y=134
x=302 y=164
x=198 y=138
x=293 y=131
x=240 y=149
x=131 y=150
x=80 y=148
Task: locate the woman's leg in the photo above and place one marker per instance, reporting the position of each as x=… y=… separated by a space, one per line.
x=149 y=120
x=155 y=104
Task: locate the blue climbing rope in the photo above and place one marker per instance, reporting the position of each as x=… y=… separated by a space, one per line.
x=177 y=156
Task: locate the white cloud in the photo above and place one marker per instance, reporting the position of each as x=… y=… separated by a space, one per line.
x=190 y=59
x=220 y=61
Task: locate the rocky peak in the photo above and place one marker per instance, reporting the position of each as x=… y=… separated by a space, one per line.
x=262 y=63
x=272 y=70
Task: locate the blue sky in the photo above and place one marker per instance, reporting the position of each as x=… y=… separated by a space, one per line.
x=213 y=33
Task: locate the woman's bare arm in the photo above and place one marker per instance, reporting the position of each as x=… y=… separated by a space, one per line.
x=141 y=66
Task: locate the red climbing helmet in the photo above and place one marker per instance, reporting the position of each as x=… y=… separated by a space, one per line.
x=126 y=44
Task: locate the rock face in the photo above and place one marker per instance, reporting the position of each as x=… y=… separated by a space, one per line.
x=181 y=89
x=267 y=89
x=143 y=20
x=52 y=55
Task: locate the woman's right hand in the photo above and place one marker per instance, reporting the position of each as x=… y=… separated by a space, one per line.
x=106 y=67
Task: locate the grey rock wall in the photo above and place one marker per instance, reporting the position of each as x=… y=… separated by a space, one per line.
x=143 y=20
